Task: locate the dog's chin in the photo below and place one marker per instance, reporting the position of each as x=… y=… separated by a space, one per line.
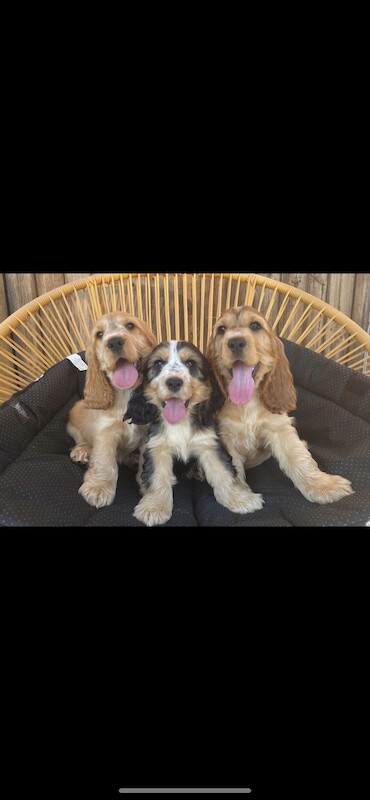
x=175 y=409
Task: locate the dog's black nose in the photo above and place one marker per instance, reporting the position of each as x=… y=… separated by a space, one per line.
x=115 y=344
x=174 y=384
x=236 y=344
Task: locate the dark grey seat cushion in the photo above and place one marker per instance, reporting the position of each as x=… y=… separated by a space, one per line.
x=39 y=482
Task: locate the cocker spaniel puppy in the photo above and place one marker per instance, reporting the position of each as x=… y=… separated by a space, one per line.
x=253 y=371
x=177 y=397
x=118 y=347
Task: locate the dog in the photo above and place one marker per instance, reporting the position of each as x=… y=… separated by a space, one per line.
x=117 y=349
x=253 y=372
x=177 y=399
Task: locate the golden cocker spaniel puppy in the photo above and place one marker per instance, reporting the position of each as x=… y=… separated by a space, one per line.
x=117 y=349
x=253 y=371
x=177 y=399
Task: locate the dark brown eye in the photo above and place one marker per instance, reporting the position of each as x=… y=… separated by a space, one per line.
x=255 y=326
x=158 y=363
x=221 y=329
x=99 y=334
x=130 y=326
x=189 y=364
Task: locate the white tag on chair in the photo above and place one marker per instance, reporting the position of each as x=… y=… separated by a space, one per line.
x=77 y=361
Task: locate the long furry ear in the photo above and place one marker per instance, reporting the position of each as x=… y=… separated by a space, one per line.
x=278 y=393
x=139 y=410
x=98 y=391
x=218 y=393
x=218 y=388
x=208 y=409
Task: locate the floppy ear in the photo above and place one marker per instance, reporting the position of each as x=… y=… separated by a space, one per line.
x=214 y=402
x=278 y=393
x=218 y=387
x=218 y=394
x=98 y=392
x=139 y=410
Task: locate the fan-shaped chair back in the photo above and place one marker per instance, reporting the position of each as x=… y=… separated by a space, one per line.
x=176 y=306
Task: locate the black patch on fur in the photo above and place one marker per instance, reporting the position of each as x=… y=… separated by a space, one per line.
x=148 y=468
x=201 y=366
x=217 y=399
x=157 y=367
x=156 y=426
x=180 y=468
x=151 y=369
x=225 y=457
x=139 y=410
x=206 y=411
x=193 y=369
x=201 y=416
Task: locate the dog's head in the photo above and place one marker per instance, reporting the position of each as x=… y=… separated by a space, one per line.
x=117 y=349
x=248 y=357
x=178 y=383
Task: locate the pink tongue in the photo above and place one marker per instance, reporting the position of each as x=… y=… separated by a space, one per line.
x=241 y=386
x=174 y=410
x=125 y=374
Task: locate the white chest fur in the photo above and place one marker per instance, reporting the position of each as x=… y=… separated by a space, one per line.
x=241 y=429
x=182 y=440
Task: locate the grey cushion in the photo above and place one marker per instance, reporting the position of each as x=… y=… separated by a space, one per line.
x=39 y=482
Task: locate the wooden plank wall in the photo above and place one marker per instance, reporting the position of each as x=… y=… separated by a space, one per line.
x=348 y=292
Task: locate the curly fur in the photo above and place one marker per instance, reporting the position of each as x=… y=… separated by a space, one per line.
x=102 y=439
x=254 y=430
x=176 y=371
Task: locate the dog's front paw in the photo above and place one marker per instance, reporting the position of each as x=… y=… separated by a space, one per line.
x=151 y=514
x=240 y=500
x=80 y=454
x=330 y=489
x=98 y=495
x=247 y=502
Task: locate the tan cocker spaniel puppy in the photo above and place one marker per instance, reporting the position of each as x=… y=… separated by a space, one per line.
x=253 y=371
x=119 y=345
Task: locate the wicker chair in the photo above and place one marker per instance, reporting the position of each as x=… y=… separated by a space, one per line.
x=58 y=323
x=329 y=358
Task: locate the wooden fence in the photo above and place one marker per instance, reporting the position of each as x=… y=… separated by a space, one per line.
x=348 y=292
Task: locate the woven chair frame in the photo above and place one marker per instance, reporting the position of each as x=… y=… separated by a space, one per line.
x=176 y=306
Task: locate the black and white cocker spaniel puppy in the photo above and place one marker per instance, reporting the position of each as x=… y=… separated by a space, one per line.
x=177 y=398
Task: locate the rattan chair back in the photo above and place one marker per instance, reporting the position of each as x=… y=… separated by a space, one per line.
x=176 y=306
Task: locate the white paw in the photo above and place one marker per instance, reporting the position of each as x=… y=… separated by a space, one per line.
x=240 y=500
x=80 y=454
x=149 y=514
x=331 y=489
x=98 y=496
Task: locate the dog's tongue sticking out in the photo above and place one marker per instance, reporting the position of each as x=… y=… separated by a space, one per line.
x=174 y=410
x=241 y=386
x=125 y=374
